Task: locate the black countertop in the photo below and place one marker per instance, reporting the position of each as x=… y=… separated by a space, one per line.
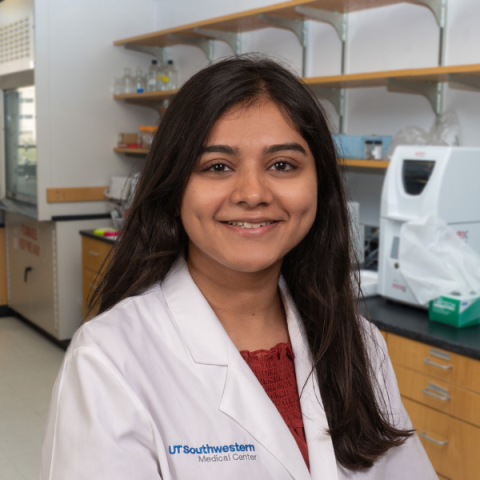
x=89 y=233
x=411 y=322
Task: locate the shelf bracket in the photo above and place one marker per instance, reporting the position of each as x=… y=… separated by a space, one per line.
x=206 y=44
x=468 y=80
x=337 y=20
x=158 y=52
x=295 y=25
x=336 y=96
x=433 y=91
x=438 y=7
x=233 y=39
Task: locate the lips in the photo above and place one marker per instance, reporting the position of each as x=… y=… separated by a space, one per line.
x=249 y=225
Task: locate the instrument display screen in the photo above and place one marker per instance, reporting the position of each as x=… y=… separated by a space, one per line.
x=415 y=174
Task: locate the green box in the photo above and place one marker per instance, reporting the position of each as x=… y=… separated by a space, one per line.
x=457 y=311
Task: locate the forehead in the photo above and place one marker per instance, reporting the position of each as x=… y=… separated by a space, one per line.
x=260 y=122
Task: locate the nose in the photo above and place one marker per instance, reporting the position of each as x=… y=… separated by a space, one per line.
x=251 y=188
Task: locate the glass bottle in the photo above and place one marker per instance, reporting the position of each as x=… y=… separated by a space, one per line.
x=127 y=82
x=152 y=77
x=172 y=74
x=139 y=81
x=147 y=132
x=162 y=78
x=118 y=87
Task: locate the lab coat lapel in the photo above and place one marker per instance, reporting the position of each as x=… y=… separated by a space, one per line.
x=321 y=454
x=244 y=399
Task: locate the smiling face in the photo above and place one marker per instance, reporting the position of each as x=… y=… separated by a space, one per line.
x=252 y=196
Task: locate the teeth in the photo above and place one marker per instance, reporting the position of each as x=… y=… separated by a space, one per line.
x=249 y=225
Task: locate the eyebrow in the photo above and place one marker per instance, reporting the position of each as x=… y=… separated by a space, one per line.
x=282 y=147
x=220 y=149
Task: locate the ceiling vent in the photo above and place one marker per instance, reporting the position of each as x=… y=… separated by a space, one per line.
x=16 y=46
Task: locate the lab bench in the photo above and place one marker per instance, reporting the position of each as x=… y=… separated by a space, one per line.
x=438 y=373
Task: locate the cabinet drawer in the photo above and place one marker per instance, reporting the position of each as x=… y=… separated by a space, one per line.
x=90 y=282
x=435 y=362
x=452 y=445
x=450 y=399
x=94 y=252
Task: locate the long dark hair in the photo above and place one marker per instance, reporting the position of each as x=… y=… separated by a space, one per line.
x=318 y=271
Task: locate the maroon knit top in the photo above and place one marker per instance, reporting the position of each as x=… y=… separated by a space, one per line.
x=275 y=371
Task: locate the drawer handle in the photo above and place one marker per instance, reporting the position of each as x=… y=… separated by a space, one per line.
x=430 y=439
x=94 y=254
x=436 y=392
x=433 y=364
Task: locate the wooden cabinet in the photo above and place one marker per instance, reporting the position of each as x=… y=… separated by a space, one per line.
x=94 y=256
x=441 y=393
x=447 y=398
x=435 y=362
x=452 y=445
x=384 y=335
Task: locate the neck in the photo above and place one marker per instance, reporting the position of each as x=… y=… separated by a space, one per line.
x=247 y=304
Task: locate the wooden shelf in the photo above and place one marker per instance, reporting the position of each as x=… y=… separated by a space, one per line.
x=249 y=20
x=146 y=98
x=376 y=79
x=131 y=151
x=351 y=80
x=378 y=164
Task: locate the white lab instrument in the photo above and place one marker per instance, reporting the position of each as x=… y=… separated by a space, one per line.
x=369 y=283
x=423 y=181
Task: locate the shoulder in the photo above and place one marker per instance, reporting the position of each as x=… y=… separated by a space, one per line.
x=127 y=327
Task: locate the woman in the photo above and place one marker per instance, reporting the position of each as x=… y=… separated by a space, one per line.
x=228 y=343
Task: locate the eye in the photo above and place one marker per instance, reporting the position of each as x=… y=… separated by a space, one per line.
x=219 y=168
x=282 y=167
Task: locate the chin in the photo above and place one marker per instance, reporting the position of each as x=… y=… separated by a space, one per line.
x=251 y=265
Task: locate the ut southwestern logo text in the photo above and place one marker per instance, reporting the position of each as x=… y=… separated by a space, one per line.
x=206 y=449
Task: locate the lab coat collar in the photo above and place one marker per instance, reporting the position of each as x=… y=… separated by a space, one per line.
x=204 y=335
x=243 y=398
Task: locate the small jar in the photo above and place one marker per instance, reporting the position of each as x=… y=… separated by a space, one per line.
x=369 y=149
x=145 y=137
x=377 y=149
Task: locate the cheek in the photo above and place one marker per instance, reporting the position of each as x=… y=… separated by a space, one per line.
x=301 y=203
x=199 y=203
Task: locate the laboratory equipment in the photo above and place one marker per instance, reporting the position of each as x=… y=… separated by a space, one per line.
x=21 y=144
x=373 y=147
x=423 y=181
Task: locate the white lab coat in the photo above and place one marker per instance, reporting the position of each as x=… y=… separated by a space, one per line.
x=155 y=388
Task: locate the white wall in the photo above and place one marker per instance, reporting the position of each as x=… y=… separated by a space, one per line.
x=13 y=10
x=387 y=38
x=78 y=121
